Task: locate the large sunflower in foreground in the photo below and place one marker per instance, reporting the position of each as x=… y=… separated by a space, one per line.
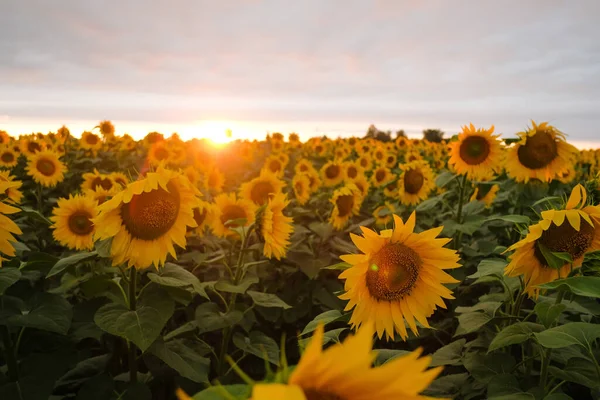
x=332 y=173
x=574 y=230
x=301 y=186
x=8 y=157
x=11 y=191
x=542 y=153
x=7 y=227
x=229 y=208
x=477 y=153
x=346 y=203
x=45 y=168
x=415 y=183
x=259 y=189
x=399 y=277
x=344 y=371
x=73 y=227
x=274 y=227
x=147 y=217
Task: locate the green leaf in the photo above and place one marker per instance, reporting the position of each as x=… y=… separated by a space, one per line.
x=48 y=312
x=588 y=286
x=323 y=318
x=473 y=208
x=558 y=396
x=339 y=266
x=446 y=385
x=329 y=336
x=66 y=262
x=470 y=224
x=209 y=318
x=181 y=330
x=554 y=260
x=267 y=300
x=490 y=266
x=514 y=334
x=515 y=219
x=429 y=204
x=450 y=354
x=323 y=229
x=35 y=215
x=226 y=392
x=444 y=178
x=471 y=322
x=581 y=333
x=578 y=370
x=259 y=344
x=8 y=277
x=241 y=288
x=103 y=247
x=141 y=326
x=505 y=387
x=387 y=355
x=548 y=312
x=182 y=358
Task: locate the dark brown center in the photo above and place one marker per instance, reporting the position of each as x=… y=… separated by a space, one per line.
x=380 y=175
x=260 y=192
x=92 y=139
x=200 y=216
x=538 y=151
x=393 y=272
x=33 y=147
x=332 y=171
x=275 y=165
x=80 y=223
x=7 y=157
x=345 y=203
x=314 y=394
x=565 y=239
x=232 y=212
x=46 y=167
x=352 y=172
x=474 y=150
x=161 y=154
x=413 y=181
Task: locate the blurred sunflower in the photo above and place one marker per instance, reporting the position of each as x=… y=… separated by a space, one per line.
x=303 y=165
x=228 y=207
x=391 y=160
x=485 y=194
x=91 y=141
x=413 y=154
x=214 y=180
x=574 y=230
x=45 y=168
x=7 y=227
x=30 y=146
x=381 y=176
x=415 y=183
x=379 y=155
x=63 y=133
x=8 y=157
x=362 y=184
x=399 y=277
x=385 y=219
x=314 y=180
x=119 y=178
x=100 y=195
x=344 y=372
x=158 y=153
x=4 y=138
x=12 y=186
x=95 y=180
x=346 y=203
x=332 y=173
x=301 y=186
x=352 y=170
x=402 y=143
x=542 y=153
x=146 y=218
x=365 y=162
x=260 y=188
x=274 y=164
x=202 y=215
x=391 y=190
x=274 y=228
x=107 y=129
x=73 y=227
x=568 y=176
x=477 y=153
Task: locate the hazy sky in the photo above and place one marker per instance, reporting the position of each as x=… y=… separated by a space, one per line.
x=306 y=65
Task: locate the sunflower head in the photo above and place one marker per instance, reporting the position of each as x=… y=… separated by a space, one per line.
x=301 y=187
x=381 y=176
x=332 y=173
x=107 y=129
x=30 y=146
x=8 y=157
x=4 y=138
x=383 y=220
x=352 y=170
x=415 y=183
x=477 y=153
x=12 y=186
x=274 y=227
x=346 y=203
x=45 y=168
x=214 y=180
x=304 y=165
x=73 y=226
x=231 y=212
x=96 y=180
x=259 y=189
x=202 y=215
x=90 y=141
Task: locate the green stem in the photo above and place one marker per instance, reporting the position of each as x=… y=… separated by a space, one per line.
x=548 y=355
x=9 y=354
x=132 y=307
x=39 y=198
x=459 y=208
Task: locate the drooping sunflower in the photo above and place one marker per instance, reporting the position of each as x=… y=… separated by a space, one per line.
x=274 y=227
x=301 y=186
x=7 y=227
x=485 y=194
x=94 y=180
x=229 y=208
x=91 y=141
x=344 y=371
x=107 y=129
x=385 y=219
x=574 y=230
x=332 y=173
x=381 y=176
x=119 y=178
x=214 y=180
x=12 y=192
x=399 y=277
x=415 y=183
x=45 y=168
x=542 y=153
x=314 y=180
x=346 y=203
x=202 y=214
x=30 y=146
x=147 y=217
x=73 y=227
x=259 y=189
x=8 y=157
x=477 y=153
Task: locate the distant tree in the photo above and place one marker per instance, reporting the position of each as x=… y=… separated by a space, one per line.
x=376 y=134
x=400 y=133
x=433 y=135
x=372 y=131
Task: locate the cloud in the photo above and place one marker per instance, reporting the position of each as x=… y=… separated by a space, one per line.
x=433 y=63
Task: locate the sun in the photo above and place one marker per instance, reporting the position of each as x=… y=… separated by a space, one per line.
x=218 y=132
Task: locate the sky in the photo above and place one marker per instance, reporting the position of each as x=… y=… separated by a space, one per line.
x=315 y=67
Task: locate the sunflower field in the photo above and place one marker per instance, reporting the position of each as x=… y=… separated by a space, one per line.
x=332 y=269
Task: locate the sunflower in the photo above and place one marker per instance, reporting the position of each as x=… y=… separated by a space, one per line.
x=365 y=162
x=274 y=164
x=332 y=173
x=542 y=153
x=119 y=178
x=146 y=218
x=477 y=153
x=568 y=176
x=7 y=227
x=91 y=141
x=227 y=207
x=398 y=278
x=8 y=157
x=385 y=219
x=391 y=190
x=301 y=186
x=415 y=183
x=346 y=203
x=381 y=176
x=107 y=129
x=30 y=146
x=345 y=371
x=73 y=227
x=362 y=184
x=11 y=191
x=402 y=143
x=214 y=180
x=158 y=153
x=259 y=189
x=379 y=155
x=45 y=168
x=390 y=160
x=202 y=215
x=274 y=227
x=352 y=170
x=314 y=181
x=4 y=138
x=485 y=194
x=413 y=154
x=303 y=165
x=100 y=195
x=574 y=230
x=95 y=180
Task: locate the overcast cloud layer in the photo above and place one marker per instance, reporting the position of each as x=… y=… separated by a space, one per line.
x=351 y=63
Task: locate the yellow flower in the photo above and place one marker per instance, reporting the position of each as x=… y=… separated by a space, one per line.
x=344 y=371
x=147 y=217
x=352 y=170
x=332 y=173
x=386 y=219
x=159 y=153
x=275 y=164
x=346 y=203
x=382 y=176
x=391 y=160
x=4 y=138
x=107 y=129
x=8 y=157
x=12 y=186
x=362 y=184
x=73 y=225
x=7 y=227
x=542 y=153
x=259 y=189
x=202 y=215
x=415 y=183
x=477 y=153
x=485 y=193
x=95 y=180
x=314 y=180
x=214 y=180
x=30 y=146
x=45 y=168
x=229 y=208
x=391 y=190
x=574 y=230
x=275 y=228
x=303 y=166
x=301 y=186
x=100 y=195
x=399 y=277
x=119 y=178
x=91 y=141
